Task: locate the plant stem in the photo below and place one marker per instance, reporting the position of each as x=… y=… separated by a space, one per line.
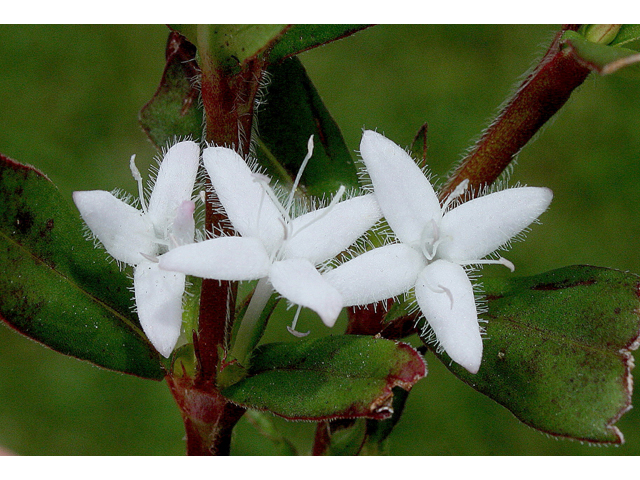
x=208 y=417
x=545 y=90
x=228 y=98
x=245 y=337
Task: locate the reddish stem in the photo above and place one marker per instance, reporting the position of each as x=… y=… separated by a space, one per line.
x=208 y=417
x=546 y=89
x=228 y=99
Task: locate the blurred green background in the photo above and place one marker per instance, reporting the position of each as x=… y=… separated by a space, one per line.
x=69 y=99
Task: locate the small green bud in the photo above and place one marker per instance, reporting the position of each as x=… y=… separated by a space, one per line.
x=602 y=33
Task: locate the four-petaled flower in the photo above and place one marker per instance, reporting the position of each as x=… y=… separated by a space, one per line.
x=283 y=252
x=434 y=244
x=139 y=238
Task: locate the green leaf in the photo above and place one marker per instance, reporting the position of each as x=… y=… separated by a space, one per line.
x=56 y=288
x=628 y=37
x=604 y=59
x=298 y=38
x=343 y=376
x=175 y=111
x=231 y=46
x=294 y=111
x=557 y=350
x=419 y=146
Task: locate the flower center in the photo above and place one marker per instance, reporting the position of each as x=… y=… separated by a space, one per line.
x=182 y=226
x=285 y=211
x=286 y=217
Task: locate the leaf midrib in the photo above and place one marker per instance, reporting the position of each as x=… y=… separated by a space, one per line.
x=559 y=338
x=73 y=284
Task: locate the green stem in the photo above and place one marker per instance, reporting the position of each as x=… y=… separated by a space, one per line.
x=248 y=334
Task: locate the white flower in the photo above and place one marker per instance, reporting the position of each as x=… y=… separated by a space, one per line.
x=138 y=237
x=435 y=242
x=280 y=250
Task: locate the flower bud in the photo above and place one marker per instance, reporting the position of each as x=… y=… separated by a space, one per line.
x=602 y=33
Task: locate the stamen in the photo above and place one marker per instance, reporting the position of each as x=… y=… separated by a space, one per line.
x=151 y=258
x=449 y=294
x=299 y=175
x=433 y=240
x=459 y=190
x=336 y=199
x=263 y=181
x=489 y=261
x=138 y=178
x=292 y=329
x=443 y=289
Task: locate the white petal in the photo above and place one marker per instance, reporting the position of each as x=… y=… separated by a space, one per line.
x=324 y=233
x=122 y=229
x=251 y=211
x=299 y=282
x=224 y=258
x=376 y=275
x=405 y=195
x=183 y=227
x=174 y=184
x=482 y=225
x=445 y=296
x=159 y=304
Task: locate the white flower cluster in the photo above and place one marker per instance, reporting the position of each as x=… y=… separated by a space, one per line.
x=288 y=253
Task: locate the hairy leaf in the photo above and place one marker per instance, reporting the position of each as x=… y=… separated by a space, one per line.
x=557 y=350
x=175 y=111
x=56 y=288
x=342 y=376
x=298 y=38
x=294 y=111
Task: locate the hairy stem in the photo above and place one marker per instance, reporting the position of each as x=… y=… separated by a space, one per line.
x=228 y=97
x=545 y=90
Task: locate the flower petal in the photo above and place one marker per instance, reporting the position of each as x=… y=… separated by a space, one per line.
x=445 y=296
x=122 y=229
x=159 y=304
x=406 y=197
x=174 y=184
x=183 y=227
x=324 y=233
x=484 y=224
x=224 y=258
x=250 y=209
x=299 y=282
x=376 y=275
